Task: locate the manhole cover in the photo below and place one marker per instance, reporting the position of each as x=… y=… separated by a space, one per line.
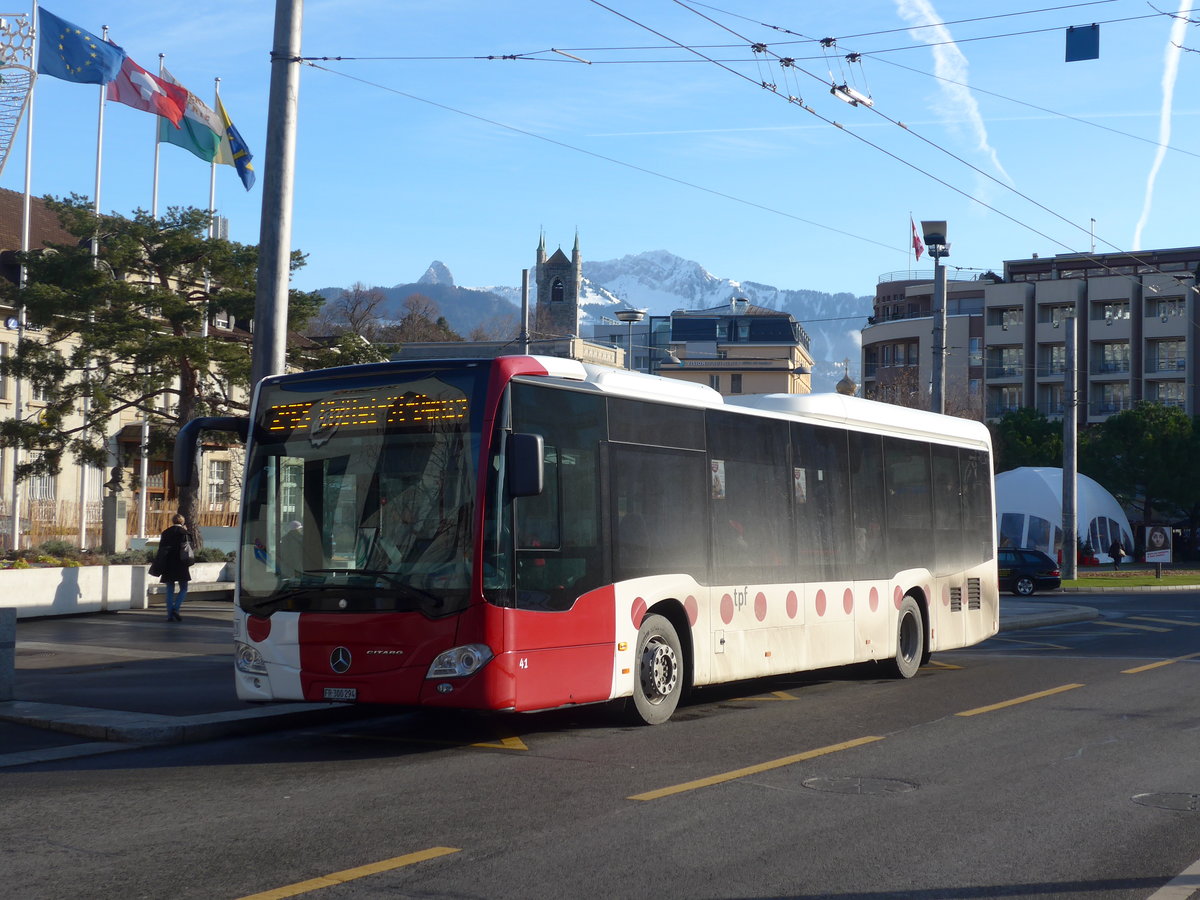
x=860 y=785
x=1185 y=802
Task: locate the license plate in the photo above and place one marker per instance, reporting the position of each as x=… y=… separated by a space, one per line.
x=341 y=693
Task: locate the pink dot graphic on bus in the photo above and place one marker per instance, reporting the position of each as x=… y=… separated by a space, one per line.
x=726 y=609
x=897 y=596
x=692 y=608
x=793 y=605
x=873 y=599
x=258 y=629
x=820 y=603
x=946 y=595
x=639 y=612
x=760 y=606
x=848 y=601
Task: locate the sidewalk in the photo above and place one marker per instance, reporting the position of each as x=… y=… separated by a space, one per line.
x=110 y=681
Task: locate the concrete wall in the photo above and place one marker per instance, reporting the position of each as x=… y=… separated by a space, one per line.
x=86 y=589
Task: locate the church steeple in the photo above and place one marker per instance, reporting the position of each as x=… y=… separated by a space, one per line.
x=559 y=284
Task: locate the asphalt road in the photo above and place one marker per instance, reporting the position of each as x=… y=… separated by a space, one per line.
x=1053 y=762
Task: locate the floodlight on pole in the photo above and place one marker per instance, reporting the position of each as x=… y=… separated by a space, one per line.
x=934 y=233
x=629 y=317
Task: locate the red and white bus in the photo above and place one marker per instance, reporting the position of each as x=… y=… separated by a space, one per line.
x=526 y=533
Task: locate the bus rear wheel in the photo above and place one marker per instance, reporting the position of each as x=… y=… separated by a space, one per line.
x=910 y=639
x=659 y=679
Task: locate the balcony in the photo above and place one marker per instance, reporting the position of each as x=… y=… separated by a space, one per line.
x=1004 y=370
x=1172 y=365
x=996 y=410
x=1109 y=407
x=1110 y=367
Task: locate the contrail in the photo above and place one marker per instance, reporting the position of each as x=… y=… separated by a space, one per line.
x=1170 y=74
x=950 y=63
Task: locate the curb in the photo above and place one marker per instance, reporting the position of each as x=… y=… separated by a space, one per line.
x=1063 y=615
x=147 y=728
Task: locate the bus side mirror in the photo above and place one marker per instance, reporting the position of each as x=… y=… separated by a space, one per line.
x=523 y=454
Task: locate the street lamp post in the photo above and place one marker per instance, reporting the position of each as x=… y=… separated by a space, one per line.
x=629 y=317
x=938 y=247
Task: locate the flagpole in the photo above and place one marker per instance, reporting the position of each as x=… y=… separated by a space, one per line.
x=212 y=209
x=86 y=406
x=154 y=193
x=18 y=403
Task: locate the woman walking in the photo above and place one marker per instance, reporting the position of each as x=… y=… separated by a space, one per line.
x=173 y=563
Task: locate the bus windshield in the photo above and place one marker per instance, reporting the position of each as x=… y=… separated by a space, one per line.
x=360 y=492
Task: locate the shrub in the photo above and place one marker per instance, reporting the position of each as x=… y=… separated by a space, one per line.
x=131 y=558
x=59 y=548
x=212 y=554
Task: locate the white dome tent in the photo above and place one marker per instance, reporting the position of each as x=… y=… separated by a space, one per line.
x=1029 y=512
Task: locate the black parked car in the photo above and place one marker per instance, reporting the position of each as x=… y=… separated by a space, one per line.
x=1026 y=571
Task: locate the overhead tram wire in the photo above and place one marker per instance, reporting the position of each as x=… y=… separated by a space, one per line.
x=799 y=102
x=1082 y=121
x=645 y=171
x=1131 y=254
x=1029 y=12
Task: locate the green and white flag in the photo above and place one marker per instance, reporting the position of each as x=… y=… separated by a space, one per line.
x=201 y=132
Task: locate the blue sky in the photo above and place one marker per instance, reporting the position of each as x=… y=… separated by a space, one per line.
x=441 y=155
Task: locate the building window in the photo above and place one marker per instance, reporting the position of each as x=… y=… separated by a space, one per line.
x=1169 y=356
x=714 y=382
x=558 y=291
x=1113 y=357
x=218 y=483
x=914 y=353
x=1114 y=397
x=887 y=355
x=975 y=352
x=40 y=487
x=1012 y=361
x=1170 y=393
x=735 y=383
x=1113 y=311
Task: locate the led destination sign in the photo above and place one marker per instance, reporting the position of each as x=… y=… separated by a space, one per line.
x=363 y=411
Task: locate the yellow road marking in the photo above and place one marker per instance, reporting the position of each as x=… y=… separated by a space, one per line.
x=1038 y=696
x=506 y=742
x=1036 y=645
x=933 y=663
x=1131 y=625
x=303 y=887
x=775 y=695
x=1159 y=664
x=752 y=770
x=1166 y=621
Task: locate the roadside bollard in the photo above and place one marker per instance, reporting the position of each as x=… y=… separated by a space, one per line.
x=8 y=652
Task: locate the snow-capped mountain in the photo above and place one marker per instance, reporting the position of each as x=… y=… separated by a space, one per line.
x=659 y=282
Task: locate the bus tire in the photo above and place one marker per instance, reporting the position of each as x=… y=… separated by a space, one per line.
x=659 y=678
x=910 y=639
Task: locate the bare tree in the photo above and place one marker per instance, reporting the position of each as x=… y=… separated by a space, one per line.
x=355 y=311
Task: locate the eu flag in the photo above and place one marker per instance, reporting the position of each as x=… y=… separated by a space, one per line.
x=73 y=54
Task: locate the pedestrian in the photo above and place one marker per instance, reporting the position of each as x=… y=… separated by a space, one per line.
x=1116 y=551
x=173 y=563
x=291 y=550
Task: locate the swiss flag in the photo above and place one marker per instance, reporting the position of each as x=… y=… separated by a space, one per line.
x=136 y=87
x=918 y=247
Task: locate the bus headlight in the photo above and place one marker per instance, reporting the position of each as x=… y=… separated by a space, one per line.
x=460 y=662
x=249 y=660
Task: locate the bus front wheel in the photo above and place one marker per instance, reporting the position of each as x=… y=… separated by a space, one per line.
x=910 y=639
x=658 y=681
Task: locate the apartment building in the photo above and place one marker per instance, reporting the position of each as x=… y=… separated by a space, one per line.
x=897 y=342
x=1137 y=334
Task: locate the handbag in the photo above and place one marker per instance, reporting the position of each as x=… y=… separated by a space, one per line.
x=187 y=555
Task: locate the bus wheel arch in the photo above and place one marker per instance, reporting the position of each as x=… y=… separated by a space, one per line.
x=662 y=661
